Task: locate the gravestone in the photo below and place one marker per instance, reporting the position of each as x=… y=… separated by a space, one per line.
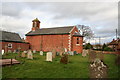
x=23 y=54
x=65 y=50
x=34 y=51
x=62 y=50
x=53 y=53
x=57 y=53
x=30 y=54
x=75 y=52
x=84 y=53
x=3 y=52
x=14 y=51
x=49 y=56
x=70 y=53
x=25 y=51
x=64 y=59
x=9 y=51
x=19 y=48
x=19 y=54
x=41 y=53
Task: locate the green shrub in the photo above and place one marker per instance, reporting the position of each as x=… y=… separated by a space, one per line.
x=108 y=49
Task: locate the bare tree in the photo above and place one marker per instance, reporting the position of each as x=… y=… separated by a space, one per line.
x=85 y=31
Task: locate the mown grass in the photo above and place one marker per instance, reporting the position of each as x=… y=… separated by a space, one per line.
x=39 y=68
x=113 y=69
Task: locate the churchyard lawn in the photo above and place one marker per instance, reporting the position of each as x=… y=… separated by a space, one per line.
x=39 y=68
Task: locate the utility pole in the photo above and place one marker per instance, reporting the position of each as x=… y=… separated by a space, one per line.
x=100 y=42
x=116 y=34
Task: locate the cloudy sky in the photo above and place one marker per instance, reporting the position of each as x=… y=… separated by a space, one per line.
x=102 y=17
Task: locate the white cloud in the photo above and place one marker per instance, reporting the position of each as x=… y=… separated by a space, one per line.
x=100 y=16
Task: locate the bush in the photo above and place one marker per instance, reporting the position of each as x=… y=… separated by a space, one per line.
x=88 y=46
x=107 y=49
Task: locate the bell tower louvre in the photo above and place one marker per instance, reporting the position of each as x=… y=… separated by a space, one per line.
x=36 y=24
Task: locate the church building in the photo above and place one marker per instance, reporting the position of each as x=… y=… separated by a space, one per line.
x=47 y=39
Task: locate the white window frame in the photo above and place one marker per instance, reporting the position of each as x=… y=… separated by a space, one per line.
x=9 y=45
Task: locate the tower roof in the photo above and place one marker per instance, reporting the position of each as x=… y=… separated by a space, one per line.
x=36 y=20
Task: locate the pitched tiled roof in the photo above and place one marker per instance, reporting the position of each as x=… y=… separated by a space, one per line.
x=47 y=31
x=10 y=36
x=114 y=42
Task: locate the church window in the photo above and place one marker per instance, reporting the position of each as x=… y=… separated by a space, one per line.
x=9 y=45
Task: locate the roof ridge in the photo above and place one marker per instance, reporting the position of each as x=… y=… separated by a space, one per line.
x=9 y=32
x=58 y=27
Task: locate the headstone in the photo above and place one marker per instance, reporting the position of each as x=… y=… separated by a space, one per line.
x=23 y=54
x=62 y=50
x=9 y=51
x=34 y=51
x=41 y=53
x=70 y=53
x=64 y=59
x=53 y=53
x=30 y=54
x=19 y=54
x=14 y=51
x=25 y=51
x=2 y=52
x=19 y=48
x=57 y=53
x=84 y=53
x=75 y=52
x=49 y=56
x=65 y=50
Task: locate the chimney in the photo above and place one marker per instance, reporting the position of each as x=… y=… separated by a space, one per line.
x=36 y=24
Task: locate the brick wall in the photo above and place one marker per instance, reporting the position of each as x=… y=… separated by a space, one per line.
x=75 y=46
x=48 y=42
x=23 y=46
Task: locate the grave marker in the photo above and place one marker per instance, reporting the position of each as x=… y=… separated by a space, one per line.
x=14 y=51
x=3 y=51
x=34 y=51
x=30 y=54
x=23 y=54
x=64 y=59
x=9 y=51
x=53 y=53
x=84 y=53
x=41 y=53
x=49 y=56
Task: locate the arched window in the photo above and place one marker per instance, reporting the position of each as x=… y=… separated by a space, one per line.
x=77 y=40
x=9 y=45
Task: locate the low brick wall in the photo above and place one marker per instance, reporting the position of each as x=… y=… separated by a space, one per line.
x=108 y=52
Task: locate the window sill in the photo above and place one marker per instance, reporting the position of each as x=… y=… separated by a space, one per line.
x=77 y=44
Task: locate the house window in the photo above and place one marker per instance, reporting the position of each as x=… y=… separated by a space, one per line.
x=9 y=45
x=77 y=40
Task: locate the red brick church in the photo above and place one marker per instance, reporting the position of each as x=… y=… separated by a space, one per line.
x=47 y=39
